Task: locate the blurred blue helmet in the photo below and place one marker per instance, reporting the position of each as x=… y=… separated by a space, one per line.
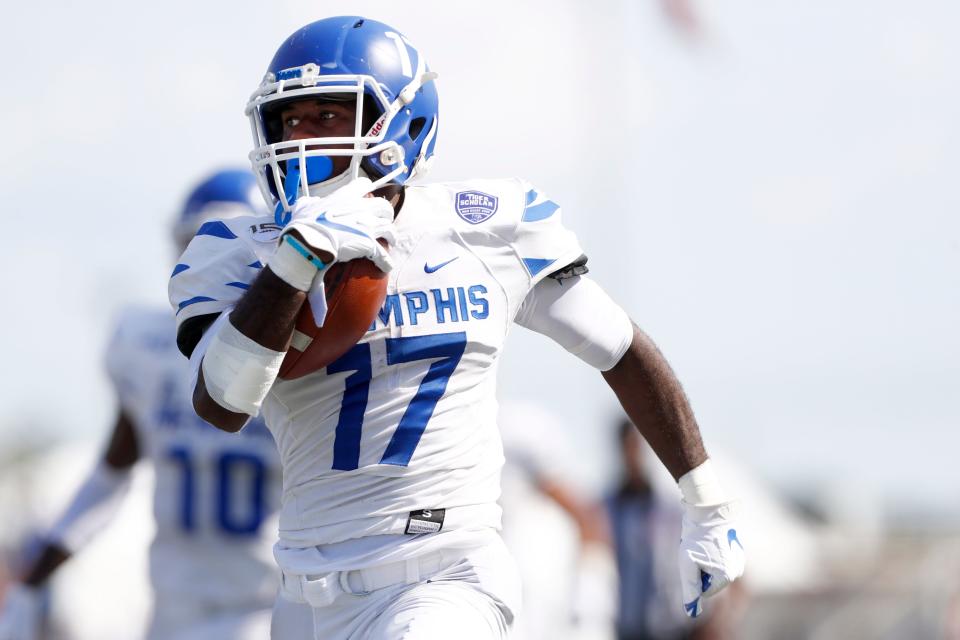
x=224 y=194
x=345 y=58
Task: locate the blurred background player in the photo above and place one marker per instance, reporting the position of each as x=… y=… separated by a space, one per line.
x=556 y=535
x=215 y=496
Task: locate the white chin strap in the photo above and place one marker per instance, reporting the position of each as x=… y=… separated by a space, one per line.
x=325 y=188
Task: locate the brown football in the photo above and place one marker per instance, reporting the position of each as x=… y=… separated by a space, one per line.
x=355 y=292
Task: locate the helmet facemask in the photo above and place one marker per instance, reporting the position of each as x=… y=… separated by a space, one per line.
x=280 y=166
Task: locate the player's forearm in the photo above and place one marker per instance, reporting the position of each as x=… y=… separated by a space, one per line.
x=655 y=402
x=213 y=412
x=266 y=315
x=123 y=450
x=94 y=505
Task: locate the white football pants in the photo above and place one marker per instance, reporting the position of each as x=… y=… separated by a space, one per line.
x=467 y=594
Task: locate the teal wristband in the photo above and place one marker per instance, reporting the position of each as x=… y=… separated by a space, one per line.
x=318 y=264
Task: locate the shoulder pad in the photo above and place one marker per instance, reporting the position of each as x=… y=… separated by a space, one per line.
x=219 y=264
x=494 y=205
x=512 y=210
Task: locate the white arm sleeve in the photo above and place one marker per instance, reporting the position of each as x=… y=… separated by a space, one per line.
x=579 y=316
x=93 y=507
x=237 y=371
x=196 y=358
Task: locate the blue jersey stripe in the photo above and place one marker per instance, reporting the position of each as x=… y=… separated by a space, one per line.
x=322 y=219
x=540 y=211
x=536 y=265
x=239 y=285
x=217 y=229
x=194 y=300
x=179 y=269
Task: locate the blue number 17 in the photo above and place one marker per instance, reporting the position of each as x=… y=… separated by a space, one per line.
x=445 y=348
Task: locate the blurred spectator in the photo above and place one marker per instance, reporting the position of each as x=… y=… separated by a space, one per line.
x=644 y=531
x=558 y=542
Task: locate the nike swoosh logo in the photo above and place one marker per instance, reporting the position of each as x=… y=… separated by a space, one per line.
x=428 y=269
x=322 y=219
x=732 y=537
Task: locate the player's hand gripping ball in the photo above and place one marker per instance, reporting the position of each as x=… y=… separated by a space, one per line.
x=355 y=292
x=348 y=226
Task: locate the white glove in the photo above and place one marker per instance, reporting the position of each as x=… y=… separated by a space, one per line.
x=346 y=224
x=711 y=554
x=20 y=615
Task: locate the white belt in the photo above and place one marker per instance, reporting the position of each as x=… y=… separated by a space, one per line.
x=322 y=590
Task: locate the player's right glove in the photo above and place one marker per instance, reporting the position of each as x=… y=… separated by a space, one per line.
x=20 y=614
x=345 y=224
x=711 y=554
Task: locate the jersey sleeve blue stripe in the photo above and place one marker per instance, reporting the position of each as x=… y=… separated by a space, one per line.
x=540 y=211
x=217 y=229
x=536 y=265
x=186 y=303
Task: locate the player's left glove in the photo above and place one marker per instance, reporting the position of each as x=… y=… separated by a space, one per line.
x=20 y=614
x=711 y=554
x=346 y=224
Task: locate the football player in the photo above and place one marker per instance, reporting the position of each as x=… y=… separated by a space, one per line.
x=216 y=494
x=391 y=454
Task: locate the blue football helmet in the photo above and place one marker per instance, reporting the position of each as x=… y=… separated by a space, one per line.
x=344 y=58
x=224 y=194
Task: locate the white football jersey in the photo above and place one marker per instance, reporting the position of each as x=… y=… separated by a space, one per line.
x=406 y=420
x=216 y=494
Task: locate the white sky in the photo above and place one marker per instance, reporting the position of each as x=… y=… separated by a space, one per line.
x=776 y=206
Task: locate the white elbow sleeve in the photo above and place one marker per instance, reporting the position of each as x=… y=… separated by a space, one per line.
x=237 y=371
x=579 y=316
x=93 y=507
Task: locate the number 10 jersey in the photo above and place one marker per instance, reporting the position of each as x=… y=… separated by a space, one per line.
x=216 y=495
